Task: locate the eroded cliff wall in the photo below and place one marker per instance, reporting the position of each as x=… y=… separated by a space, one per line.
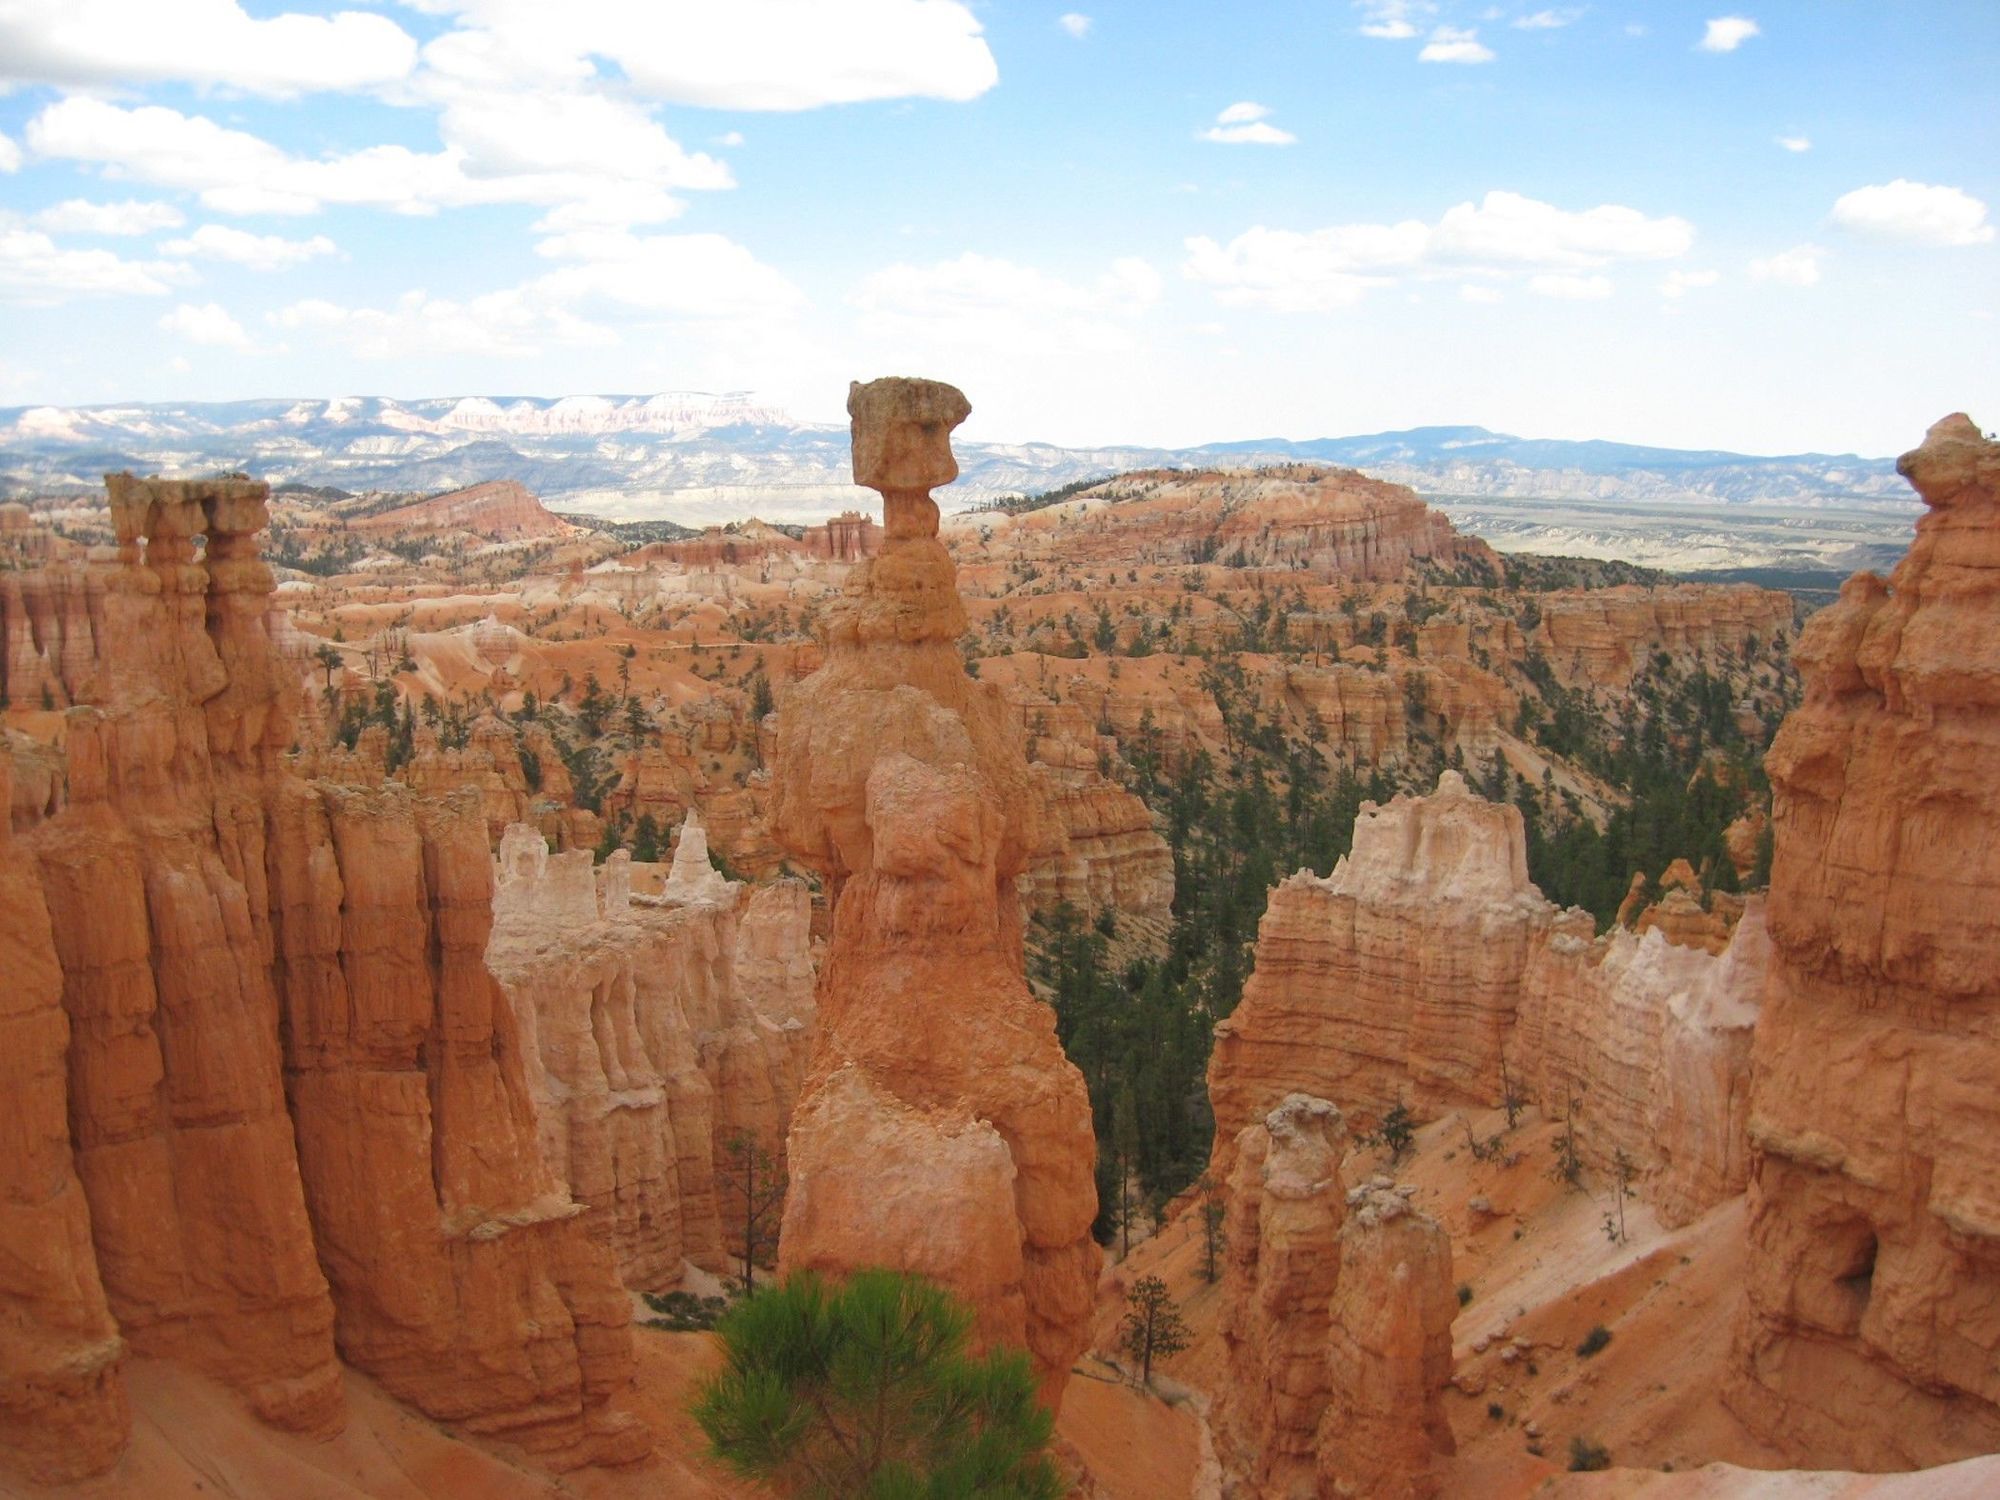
x=659 y=1029
x=1428 y=971
x=1871 y=1337
x=296 y=1100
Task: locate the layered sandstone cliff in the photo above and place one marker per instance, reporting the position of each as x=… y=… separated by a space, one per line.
x=1872 y=1330
x=1603 y=637
x=1286 y=1204
x=1336 y=1320
x=658 y=1028
x=293 y=1096
x=1428 y=971
x=940 y=1128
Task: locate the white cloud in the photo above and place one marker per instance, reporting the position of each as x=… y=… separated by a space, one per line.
x=1258 y=134
x=1471 y=292
x=1798 y=266
x=500 y=325
x=1393 y=20
x=1727 y=33
x=10 y=154
x=608 y=164
x=984 y=301
x=1680 y=283
x=1568 y=288
x=606 y=279
x=1451 y=44
x=698 y=276
x=212 y=42
x=1546 y=20
x=1243 y=113
x=33 y=268
x=258 y=252
x=79 y=216
x=1503 y=234
x=1507 y=228
x=1076 y=24
x=1247 y=123
x=747 y=54
x=207 y=324
x=1915 y=213
x=730 y=138
x=1794 y=143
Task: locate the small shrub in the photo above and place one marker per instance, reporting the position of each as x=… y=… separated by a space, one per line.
x=1398 y=1132
x=683 y=1312
x=1586 y=1457
x=1594 y=1340
x=1495 y=1410
x=1464 y=1293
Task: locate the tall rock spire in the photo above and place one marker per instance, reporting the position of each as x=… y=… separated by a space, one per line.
x=940 y=1129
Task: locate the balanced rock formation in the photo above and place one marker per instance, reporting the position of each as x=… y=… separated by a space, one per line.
x=940 y=1128
x=1871 y=1337
x=1428 y=971
x=656 y=1028
x=294 y=1098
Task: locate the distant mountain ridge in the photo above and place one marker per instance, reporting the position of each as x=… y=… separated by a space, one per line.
x=691 y=455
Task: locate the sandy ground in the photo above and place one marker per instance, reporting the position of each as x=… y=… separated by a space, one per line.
x=192 y=1440
x=1542 y=1273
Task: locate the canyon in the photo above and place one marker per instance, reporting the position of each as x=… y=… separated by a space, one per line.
x=396 y=957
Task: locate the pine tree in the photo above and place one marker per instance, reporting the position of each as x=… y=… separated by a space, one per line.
x=867 y=1391
x=753 y=1195
x=1152 y=1327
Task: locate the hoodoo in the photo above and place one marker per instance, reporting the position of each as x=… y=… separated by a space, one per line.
x=1872 y=1331
x=940 y=1128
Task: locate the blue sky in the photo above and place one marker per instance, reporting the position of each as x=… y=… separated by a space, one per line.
x=1762 y=226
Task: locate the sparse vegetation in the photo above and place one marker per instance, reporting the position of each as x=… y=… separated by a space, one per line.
x=1152 y=1327
x=1594 y=1341
x=1586 y=1457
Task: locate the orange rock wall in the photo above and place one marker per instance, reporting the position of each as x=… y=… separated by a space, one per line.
x=1428 y=959
x=1871 y=1337
x=296 y=1102
x=658 y=1030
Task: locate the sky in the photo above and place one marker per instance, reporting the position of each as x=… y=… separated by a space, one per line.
x=1770 y=229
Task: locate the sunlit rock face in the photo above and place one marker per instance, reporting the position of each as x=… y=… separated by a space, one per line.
x=1872 y=1330
x=940 y=1128
x=1337 y=1307
x=1428 y=971
x=279 y=1116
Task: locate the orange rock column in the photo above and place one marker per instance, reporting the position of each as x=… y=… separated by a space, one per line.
x=940 y=1128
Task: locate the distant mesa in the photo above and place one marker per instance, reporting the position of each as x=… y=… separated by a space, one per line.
x=500 y=509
